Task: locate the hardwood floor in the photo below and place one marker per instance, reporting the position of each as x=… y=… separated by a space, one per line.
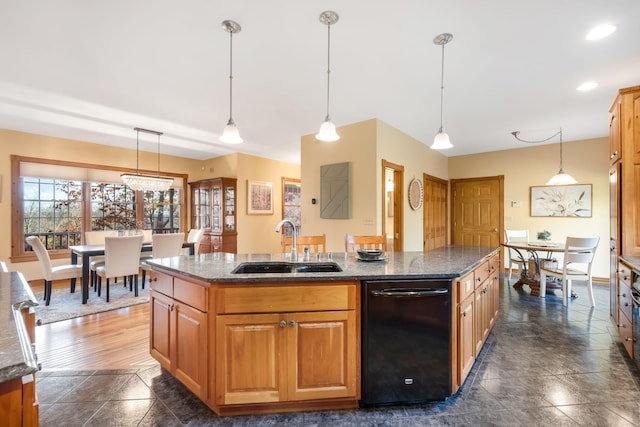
x=117 y=339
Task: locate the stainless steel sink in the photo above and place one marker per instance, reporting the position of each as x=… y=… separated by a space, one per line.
x=261 y=267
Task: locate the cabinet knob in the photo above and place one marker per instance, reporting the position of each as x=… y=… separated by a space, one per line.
x=628 y=339
x=154 y=279
x=292 y=323
x=283 y=323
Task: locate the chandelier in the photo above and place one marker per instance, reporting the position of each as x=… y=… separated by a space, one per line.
x=142 y=182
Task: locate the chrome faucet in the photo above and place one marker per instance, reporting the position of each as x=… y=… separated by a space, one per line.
x=294 y=250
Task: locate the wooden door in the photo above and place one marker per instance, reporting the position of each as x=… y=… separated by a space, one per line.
x=190 y=358
x=396 y=210
x=250 y=355
x=160 y=339
x=322 y=355
x=477 y=211
x=435 y=212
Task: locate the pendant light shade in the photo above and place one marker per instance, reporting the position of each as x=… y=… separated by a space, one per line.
x=441 y=141
x=327 y=131
x=230 y=135
x=141 y=182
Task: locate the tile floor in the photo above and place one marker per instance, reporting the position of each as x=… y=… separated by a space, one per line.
x=542 y=365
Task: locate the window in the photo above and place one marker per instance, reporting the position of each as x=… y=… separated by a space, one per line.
x=57 y=206
x=291 y=204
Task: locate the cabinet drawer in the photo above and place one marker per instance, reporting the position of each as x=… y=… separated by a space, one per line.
x=625 y=329
x=494 y=264
x=625 y=301
x=161 y=282
x=286 y=298
x=466 y=286
x=190 y=294
x=482 y=272
x=624 y=274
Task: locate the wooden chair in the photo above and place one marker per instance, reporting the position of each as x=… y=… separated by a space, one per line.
x=164 y=246
x=122 y=258
x=316 y=244
x=353 y=243
x=50 y=273
x=514 y=258
x=577 y=250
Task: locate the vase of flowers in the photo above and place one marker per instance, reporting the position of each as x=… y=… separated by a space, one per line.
x=544 y=235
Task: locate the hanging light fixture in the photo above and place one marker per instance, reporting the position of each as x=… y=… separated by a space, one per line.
x=230 y=135
x=441 y=141
x=141 y=182
x=328 y=129
x=561 y=178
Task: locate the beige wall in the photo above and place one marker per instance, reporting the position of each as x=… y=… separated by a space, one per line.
x=243 y=167
x=365 y=145
x=587 y=161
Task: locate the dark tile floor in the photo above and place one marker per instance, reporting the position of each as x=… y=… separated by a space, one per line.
x=542 y=365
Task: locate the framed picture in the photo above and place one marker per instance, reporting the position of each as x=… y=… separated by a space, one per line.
x=561 y=200
x=259 y=197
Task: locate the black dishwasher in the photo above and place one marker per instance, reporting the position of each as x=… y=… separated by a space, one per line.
x=406 y=335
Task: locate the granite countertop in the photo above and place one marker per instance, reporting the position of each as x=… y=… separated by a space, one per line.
x=633 y=261
x=16 y=354
x=446 y=262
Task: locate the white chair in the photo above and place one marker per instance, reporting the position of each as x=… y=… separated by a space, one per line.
x=164 y=246
x=195 y=236
x=578 y=250
x=96 y=238
x=514 y=258
x=3 y=267
x=148 y=236
x=50 y=273
x=121 y=258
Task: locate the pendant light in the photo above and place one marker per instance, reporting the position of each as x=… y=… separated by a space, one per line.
x=561 y=178
x=230 y=135
x=328 y=129
x=441 y=141
x=141 y=182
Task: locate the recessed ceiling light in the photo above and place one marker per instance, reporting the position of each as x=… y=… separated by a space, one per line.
x=601 y=32
x=587 y=86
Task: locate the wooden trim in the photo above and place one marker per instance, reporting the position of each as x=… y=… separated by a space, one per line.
x=398 y=200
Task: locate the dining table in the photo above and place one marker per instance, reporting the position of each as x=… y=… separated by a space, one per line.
x=539 y=251
x=85 y=252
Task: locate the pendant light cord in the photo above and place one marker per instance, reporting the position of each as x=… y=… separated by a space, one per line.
x=517 y=133
x=230 y=76
x=328 y=67
x=442 y=90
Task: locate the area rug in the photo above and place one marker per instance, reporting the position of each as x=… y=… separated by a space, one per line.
x=65 y=305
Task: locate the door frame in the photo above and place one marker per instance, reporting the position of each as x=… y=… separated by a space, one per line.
x=398 y=207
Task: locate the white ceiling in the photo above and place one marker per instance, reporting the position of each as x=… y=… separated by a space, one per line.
x=93 y=70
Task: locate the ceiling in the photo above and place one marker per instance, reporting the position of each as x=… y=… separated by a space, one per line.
x=94 y=70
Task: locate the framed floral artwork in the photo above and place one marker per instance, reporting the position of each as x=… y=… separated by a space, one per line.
x=561 y=200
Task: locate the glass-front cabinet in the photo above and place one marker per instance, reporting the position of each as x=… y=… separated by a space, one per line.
x=213 y=207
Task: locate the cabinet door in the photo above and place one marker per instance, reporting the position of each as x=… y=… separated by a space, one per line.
x=323 y=358
x=160 y=337
x=250 y=356
x=615 y=141
x=480 y=317
x=189 y=339
x=466 y=342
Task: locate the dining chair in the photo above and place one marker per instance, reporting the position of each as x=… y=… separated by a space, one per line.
x=577 y=250
x=514 y=257
x=96 y=238
x=51 y=273
x=353 y=243
x=315 y=244
x=3 y=267
x=121 y=258
x=164 y=246
x=195 y=236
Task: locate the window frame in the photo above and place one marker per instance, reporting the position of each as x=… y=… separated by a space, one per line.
x=18 y=253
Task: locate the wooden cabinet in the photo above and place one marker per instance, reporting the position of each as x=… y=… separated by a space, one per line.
x=178 y=339
x=213 y=207
x=302 y=346
x=624 y=196
x=625 y=307
x=477 y=300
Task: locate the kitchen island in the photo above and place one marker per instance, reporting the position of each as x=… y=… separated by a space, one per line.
x=288 y=341
x=18 y=405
